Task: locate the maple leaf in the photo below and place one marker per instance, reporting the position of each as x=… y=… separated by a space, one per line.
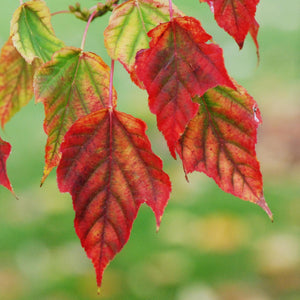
x=108 y=167
x=236 y=17
x=71 y=85
x=5 y=149
x=32 y=32
x=128 y=26
x=178 y=66
x=16 y=80
x=220 y=141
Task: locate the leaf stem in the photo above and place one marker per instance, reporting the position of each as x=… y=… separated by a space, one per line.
x=111 y=78
x=60 y=12
x=86 y=28
x=171 y=10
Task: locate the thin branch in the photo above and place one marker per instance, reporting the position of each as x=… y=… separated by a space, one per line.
x=111 y=78
x=87 y=27
x=171 y=10
x=60 y=12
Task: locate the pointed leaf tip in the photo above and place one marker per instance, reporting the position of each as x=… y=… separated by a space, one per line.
x=263 y=204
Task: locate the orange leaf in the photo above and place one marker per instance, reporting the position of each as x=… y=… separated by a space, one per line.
x=16 y=80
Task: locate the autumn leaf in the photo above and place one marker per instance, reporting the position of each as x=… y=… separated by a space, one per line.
x=5 y=149
x=16 y=80
x=108 y=167
x=32 y=32
x=236 y=17
x=71 y=85
x=220 y=141
x=178 y=66
x=128 y=26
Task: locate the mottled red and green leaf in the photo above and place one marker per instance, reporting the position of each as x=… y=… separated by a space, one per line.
x=220 y=141
x=71 y=85
x=108 y=167
x=128 y=26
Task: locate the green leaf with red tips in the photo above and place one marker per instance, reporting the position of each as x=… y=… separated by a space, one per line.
x=128 y=26
x=32 y=32
x=108 y=167
x=236 y=17
x=16 y=81
x=5 y=149
x=220 y=141
x=178 y=66
x=71 y=85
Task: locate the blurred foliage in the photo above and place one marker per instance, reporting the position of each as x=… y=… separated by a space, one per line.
x=211 y=246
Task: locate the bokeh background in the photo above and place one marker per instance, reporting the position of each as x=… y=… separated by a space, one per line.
x=211 y=245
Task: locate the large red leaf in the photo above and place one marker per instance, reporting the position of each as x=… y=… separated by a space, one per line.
x=236 y=17
x=108 y=167
x=178 y=66
x=71 y=85
x=220 y=141
x=5 y=149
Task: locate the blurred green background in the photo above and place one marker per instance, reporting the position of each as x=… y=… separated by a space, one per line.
x=211 y=245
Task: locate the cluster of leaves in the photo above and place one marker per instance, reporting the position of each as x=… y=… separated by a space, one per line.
x=103 y=156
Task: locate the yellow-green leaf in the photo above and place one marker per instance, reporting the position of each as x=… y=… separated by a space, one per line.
x=129 y=24
x=16 y=81
x=32 y=32
x=71 y=85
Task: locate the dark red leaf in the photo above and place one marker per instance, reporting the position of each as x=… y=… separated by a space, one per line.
x=5 y=149
x=236 y=17
x=108 y=167
x=178 y=66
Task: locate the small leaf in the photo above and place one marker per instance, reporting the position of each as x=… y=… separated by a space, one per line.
x=5 y=149
x=32 y=32
x=236 y=17
x=220 y=141
x=16 y=81
x=128 y=26
x=178 y=66
x=109 y=169
x=71 y=85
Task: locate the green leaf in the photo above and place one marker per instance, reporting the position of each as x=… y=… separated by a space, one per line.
x=16 y=81
x=71 y=85
x=128 y=26
x=32 y=32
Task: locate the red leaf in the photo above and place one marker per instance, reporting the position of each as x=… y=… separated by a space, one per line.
x=108 y=167
x=178 y=66
x=236 y=17
x=220 y=141
x=5 y=149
